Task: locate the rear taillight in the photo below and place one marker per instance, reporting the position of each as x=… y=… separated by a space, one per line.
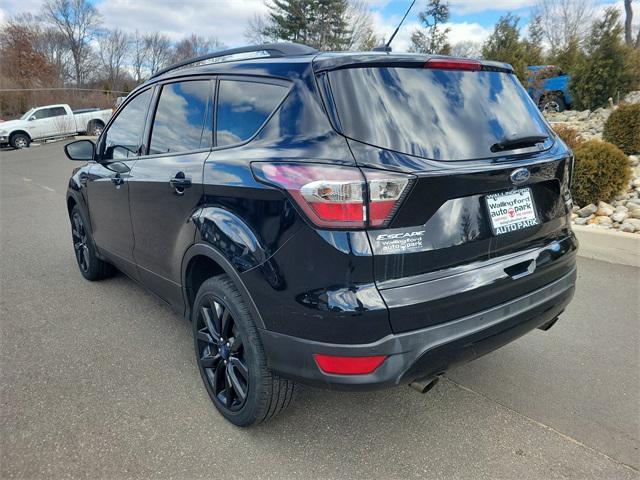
x=386 y=190
x=338 y=197
x=453 y=64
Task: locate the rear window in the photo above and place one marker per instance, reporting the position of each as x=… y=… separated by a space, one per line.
x=431 y=113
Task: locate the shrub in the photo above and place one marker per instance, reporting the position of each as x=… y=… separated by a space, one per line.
x=601 y=172
x=623 y=128
x=569 y=135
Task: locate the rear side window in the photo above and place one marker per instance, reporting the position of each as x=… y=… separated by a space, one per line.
x=243 y=107
x=182 y=121
x=58 y=111
x=432 y=113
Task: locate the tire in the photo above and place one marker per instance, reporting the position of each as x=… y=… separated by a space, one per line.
x=95 y=129
x=91 y=267
x=231 y=358
x=19 y=141
x=553 y=102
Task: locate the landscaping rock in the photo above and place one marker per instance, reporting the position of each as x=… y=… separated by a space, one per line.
x=588 y=210
x=619 y=217
x=623 y=212
x=604 y=209
x=627 y=227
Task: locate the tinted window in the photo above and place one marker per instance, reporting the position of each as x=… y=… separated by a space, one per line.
x=243 y=107
x=42 y=113
x=57 y=111
x=182 y=121
x=123 y=139
x=437 y=114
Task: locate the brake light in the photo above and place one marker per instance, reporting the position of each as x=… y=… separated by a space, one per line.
x=386 y=191
x=348 y=365
x=335 y=196
x=453 y=64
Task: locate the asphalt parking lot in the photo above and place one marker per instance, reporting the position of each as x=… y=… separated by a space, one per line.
x=99 y=380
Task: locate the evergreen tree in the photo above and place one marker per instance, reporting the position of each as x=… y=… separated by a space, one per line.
x=505 y=45
x=534 y=55
x=432 y=37
x=601 y=74
x=322 y=24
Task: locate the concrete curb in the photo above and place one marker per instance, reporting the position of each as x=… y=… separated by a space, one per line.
x=608 y=245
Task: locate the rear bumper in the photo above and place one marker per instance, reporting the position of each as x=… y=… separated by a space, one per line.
x=426 y=352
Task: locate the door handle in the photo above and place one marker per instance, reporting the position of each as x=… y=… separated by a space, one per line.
x=180 y=182
x=117 y=180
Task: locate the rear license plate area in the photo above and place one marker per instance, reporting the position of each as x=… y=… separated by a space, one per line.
x=511 y=211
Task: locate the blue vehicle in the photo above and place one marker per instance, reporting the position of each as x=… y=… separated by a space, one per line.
x=548 y=86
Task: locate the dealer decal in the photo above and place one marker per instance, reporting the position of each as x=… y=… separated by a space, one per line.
x=399 y=242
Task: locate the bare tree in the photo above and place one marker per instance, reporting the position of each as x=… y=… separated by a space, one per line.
x=194 y=46
x=157 y=50
x=363 y=36
x=114 y=49
x=138 y=55
x=628 y=21
x=467 y=49
x=77 y=21
x=628 y=26
x=257 y=30
x=564 y=21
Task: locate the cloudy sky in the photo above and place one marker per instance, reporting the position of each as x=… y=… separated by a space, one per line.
x=227 y=19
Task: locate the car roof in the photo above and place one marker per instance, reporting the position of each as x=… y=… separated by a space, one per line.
x=289 y=61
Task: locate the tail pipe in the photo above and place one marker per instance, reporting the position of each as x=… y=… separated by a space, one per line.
x=423 y=385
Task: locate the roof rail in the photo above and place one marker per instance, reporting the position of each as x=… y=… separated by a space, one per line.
x=273 y=49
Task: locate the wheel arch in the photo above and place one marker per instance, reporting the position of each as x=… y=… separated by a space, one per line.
x=550 y=93
x=96 y=121
x=202 y=261
x=16 y=132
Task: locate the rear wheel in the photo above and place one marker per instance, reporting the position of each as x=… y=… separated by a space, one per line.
x=95 y=129
x=231 y=359
x=19 y=140
x=91 y=267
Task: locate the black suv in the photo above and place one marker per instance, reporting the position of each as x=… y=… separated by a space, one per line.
x=346 y=220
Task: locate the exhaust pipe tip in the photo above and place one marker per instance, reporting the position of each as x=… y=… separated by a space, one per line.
x=423 y=385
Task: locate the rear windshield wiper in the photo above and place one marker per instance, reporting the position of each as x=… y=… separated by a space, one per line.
x=513 y=142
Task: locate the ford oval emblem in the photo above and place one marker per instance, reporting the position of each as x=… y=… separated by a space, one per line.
x=520 y=176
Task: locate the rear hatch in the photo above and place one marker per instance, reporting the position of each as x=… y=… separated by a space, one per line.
x=488 y=178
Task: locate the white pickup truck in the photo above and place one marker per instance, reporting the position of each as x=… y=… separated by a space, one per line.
x=51 y=121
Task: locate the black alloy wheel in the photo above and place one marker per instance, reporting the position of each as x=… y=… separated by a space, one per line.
x=221 y=354
x=91 y=266
x=80 y=242
x=230 y=356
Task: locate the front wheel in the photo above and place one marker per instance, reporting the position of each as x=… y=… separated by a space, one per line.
x=19 y=140
x=231 y=359
x=552 y=103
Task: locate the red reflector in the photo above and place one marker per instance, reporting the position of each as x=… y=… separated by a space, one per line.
x=453 y=64
x=348 y=365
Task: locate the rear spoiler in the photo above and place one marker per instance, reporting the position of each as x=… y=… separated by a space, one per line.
x=335 y=61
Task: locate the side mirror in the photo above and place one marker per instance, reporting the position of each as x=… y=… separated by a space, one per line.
x=32 y=118
x=81 y=150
